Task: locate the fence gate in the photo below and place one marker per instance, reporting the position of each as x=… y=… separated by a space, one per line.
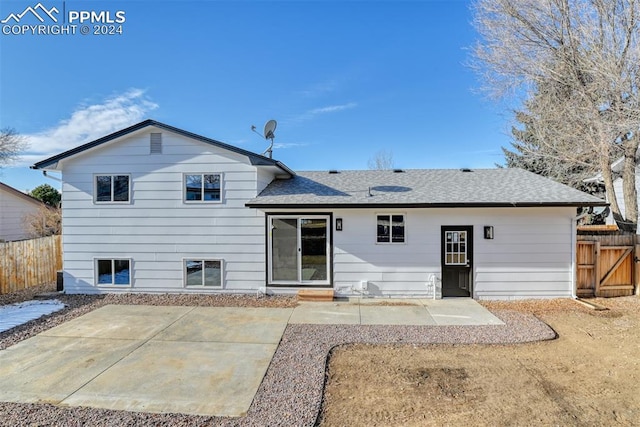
x=606 y=266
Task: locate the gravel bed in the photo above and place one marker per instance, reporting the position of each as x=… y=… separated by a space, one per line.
x=26 y=294
x=291 y=392
x=542 y=307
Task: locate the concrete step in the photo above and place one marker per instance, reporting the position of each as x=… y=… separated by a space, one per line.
x=315 y=295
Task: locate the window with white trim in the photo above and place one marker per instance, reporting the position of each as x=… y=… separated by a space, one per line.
x=391 y=228
x=203 y=187
x=203 y=272
x=112 y=188
x=113 y=272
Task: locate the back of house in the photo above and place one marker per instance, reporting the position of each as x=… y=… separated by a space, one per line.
x=153 y=208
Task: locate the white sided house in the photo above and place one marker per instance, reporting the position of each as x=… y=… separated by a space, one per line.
x=14 y=208
x=618 y=188
x=153 y=208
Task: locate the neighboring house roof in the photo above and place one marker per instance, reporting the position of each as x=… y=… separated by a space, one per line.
x=616 y=168
x=255 y=159
x=420 y=188
x=20 y=194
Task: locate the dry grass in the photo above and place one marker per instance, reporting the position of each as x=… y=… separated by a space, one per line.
x=589 y=375
x=564 y=305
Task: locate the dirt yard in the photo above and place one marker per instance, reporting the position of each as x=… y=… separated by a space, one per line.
x=589 y=376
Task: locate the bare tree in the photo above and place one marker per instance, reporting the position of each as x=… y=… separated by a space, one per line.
x=527 y=152
x=11 y=145
x=382 y=160
x=47 y=221
x=576 y=63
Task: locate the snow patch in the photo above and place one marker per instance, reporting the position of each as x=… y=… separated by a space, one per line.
x=17 y=314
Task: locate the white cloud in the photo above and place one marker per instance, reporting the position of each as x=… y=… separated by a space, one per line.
x=285 y=145
x=319 y=89
x=332 y=108
x=308 y=115
x=88 y=123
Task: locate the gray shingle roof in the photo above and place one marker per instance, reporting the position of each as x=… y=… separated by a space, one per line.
x=421 y=188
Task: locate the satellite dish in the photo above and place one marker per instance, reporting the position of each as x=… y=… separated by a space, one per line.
x=269 y=129
x=599 y=210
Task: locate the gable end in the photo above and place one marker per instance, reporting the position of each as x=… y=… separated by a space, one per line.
x=255 y=159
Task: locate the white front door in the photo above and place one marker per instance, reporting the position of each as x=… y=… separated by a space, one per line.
x=299 y=250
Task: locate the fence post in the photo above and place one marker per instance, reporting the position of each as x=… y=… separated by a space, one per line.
x=596 y=268
x=636 y=269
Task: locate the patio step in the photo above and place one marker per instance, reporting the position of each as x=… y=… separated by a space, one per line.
x=315 y=295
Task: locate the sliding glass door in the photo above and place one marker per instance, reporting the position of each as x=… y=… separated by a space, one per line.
x=284 y=250
x=299 y=250
x=314 y=239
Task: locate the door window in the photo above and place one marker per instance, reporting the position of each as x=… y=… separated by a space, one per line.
x=456 y=248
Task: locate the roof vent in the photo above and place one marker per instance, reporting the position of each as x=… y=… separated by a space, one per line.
x=398 y=171
x=465 y=170
x=155 y=146
x=333 y=171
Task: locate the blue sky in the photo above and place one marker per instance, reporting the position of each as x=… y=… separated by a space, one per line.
x=343 y=79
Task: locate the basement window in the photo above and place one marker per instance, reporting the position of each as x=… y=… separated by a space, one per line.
x=203 y=272
x=391 y=228
x=113 y=272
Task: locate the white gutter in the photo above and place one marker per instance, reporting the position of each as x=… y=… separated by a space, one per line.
x=44 y=172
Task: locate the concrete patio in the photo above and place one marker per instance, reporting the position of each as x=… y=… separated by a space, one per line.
x=385 y=311
x=193 y=360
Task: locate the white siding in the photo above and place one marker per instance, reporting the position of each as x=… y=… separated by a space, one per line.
x=13 y=210
x=263 y=179
x=531 y=255
x=157 y=230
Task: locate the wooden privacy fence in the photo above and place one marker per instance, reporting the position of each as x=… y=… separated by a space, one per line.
x=28 y=263
x=607 y=265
